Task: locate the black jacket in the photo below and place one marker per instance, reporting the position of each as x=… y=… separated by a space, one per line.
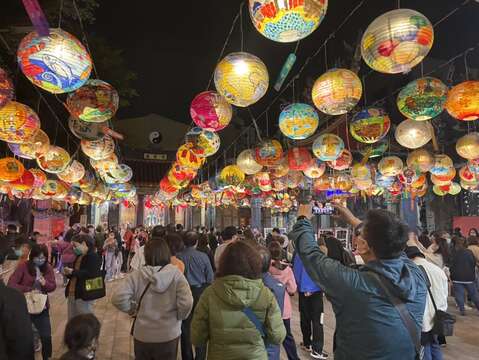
x=90 y=267
x=463 y=266
x=16 y=336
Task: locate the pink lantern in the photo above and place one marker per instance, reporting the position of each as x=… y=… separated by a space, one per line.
x=210 y=111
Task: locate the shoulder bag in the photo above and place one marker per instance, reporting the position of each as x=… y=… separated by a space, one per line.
x=36 y=302
x=94 y=288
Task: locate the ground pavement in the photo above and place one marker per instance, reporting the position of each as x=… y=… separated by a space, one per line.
x=116 y=343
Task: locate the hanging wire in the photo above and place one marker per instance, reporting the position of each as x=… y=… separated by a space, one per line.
x=60 y=15
x=452 y=12
x=326 y=54
x=241 y=26
x=85 y=39
x=422 y=68
x=466 y=66
x=267 y=125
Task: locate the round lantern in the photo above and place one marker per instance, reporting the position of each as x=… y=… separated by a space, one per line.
x=247 y=163
x=374 y=150
x=98 y=149
x=293 y=179
x=167 y=186
x=6 y=88
x=103 y=165
x=390 y=166
x=287 y=21
x=37 y=145
x=96 y=101
x=471 y=186
x=337 y=91
x=455 y=189
x=360 y=171
x=186 y=157
x=40 y=177
x=442 y=164
x=73 y=173
x=468 y=146
x=342 y=182
x=87 y=182
x=408 y=176
x=241 y=78
x=263 y=180
x=210 y=111
x=269 y=152
x=51 y=188
x=463 y=101
x=422 y=99
x=232 y=175
x=11 y=169
x=466 y=174
x=440 y=192
x=299 y=158
x=203 y=142
x=15 y=149
x=280 y=169
x=328 y=147
x=322 y=184
x=181 y=176
x=384 y=181
x=298 y=121
x=474 y=166
x=18 y=123
x=343 y=162
x=370 y=125
x=421 y=160
x=85 y=199
x=54 y=161
x=413 y=134
x=86 y=130
x=57 y=63
x=397 y=41
x=315 y=170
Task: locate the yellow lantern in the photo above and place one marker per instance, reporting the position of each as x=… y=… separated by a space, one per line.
x=421 y=160
x=269 y=152
x=322 y=184
x=247 y=163
x=54 y=161
x=280 y=169
x=337 y=91
x=11 y=169
x=73 y=173
x=232 y=175
x=298 y=121
x=360 y=171
x=328 y=147
x=342 y=182
x=37 y=145
x=463 y=101
x=186 y=157
x=315 y=170
x=18 y=123
x=468 y=146
x=390 y=166
x=413 y=134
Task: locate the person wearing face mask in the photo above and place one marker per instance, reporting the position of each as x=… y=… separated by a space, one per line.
x=37 y=274
x=87 y=266
x=81 y=337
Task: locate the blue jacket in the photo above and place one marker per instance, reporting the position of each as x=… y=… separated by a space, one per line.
x=277 y=288
x=305 y=284
x=368 y=327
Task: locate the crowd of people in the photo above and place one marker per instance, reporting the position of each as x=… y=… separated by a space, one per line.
x=227 y=294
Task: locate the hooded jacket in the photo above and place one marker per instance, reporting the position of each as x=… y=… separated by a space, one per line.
x=219 y=320
x=367 y=324
x=165 y=304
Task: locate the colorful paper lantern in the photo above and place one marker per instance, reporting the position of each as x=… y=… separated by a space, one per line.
x=468 y=146
x=337 y=91
x=241 y=78
x=280 y=169
x=315 y=170
x=440 y=192
x=384 y=181
x=413 y=134
x=247 y=163
x=73 y=172
x=180 y=177
x=98 y=149
x=463 y=101
x=87 y=182
x=470 y=186
x=446 y=176
x=263 y=180
x=442 y=164
x=103 y=165
x=322 y=184
x=37 y=145
x=298 y=121
x=269 y=152
x=370 y=125
x=50 y=188
x=186 y=157
x=421 y=160
x=408 y=176
x=6 y=88
x=299 y=158
x=374 y=150
x=422 y=99
x=203 y=142
x=96 y=101
x=10 y=169
x=342 y=182
x=86 y=130
x=343 y=162
x=232 y=175
x=287 y=21
x=293 y=179
x=466 y=174
x=455 y=189
x=474 y=165
x=360 y=171
x=57 y=63
x=328 y=147
x=397 y=41
x=24 y=183
x=40 y=177
x=54 y=161
x=390 y=166
x=210 y=111
x=18 y=123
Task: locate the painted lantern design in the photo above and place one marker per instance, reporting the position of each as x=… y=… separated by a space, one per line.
x=210 y=111
x=421 y=160
x=98 y=149
x=413 y=134
x=232 y=175
x=73 y=173
x=343 y=162
x=18 y=123
x=298 y=121
x=390 y=166
x=203 y=142
x=328 y=147
x=11 y=169
x=6 y=88
x=269 y=152
x=463 y=101
x=299 y=158
x=54 y=161
x=370 y=125
x=468 y=146
x=247 y=163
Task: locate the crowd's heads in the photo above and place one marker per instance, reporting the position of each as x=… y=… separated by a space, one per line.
x=202 y=241
x=413 y=252
x=38 y=257
x=179 y=228
x=158 y=231
x=335 y=248
x=473 y=232
x=276 y=251
x=459 y=242
x=82 y=243
x=265 y=258
x=473 y=240
x=81 y=335
x=157 y=253
x=229 y=233
x=240 y=259
x=276 y=231
x=99 y=228
x=190 y=238
x=175 y=243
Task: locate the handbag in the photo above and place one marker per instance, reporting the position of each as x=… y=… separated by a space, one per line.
x=443 y=321
x=94 y=288
x=36 y=302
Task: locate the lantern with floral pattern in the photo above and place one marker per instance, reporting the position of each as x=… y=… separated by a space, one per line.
x=210 y=111
x=203 y=142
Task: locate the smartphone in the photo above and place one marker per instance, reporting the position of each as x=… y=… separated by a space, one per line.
x=320 y=208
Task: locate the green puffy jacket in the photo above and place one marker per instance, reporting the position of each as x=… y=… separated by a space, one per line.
x=219 y=321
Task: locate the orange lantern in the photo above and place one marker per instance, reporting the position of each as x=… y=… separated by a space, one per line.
x=294 y=178
x=463 y=101
x=25 y=182
x=299 y=158
x=186 y=157
x=18 y=123
x=322 y=184
x=269 y=152
x=73 y=173
x=315 y=170
x=167 y=186
x=11 y=169
x=280 y=169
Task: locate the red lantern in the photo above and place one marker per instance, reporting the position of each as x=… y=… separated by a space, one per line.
x=24 y=183
x=299 y=158
x=167 y=186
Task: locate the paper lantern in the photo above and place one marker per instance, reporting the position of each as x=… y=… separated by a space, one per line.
x=390 y=166
x=468 y=146
x=280 y=169
x=422 y=99
x=73 y=173
x=315 y=170
x=269 y=152
x=103 y=165
x=466 y=174
x=421 y=160
x=440 y=192
x=6 y=88
x=247 y=163
x=413 y=134
x=10 y=169
x=37 y=145
x=384 y=181
x=203 y=142
x=328 y=147
x=343 y=162
x=86 y=130
x=370 y=125
x=298 y=121
x=463 y=101
x=397 y=41
x=241 y=78
x=287 y=21
x=408 y=176
x=471 y=186
x=263 y=180
x=179 y=176
x=40 y=177
x=98 y=149
x=279 y=184
x=54 y=161
x=50 y=188
x=442 y=164
x=96 y=101
x=232 y=175
x=18 y=123
x=337 y=91
x=85 y=199
x=419 y=182
x=455 y=189
x=473 y=165
x=321 y=184
x=57 y=63
x=360 y=171
x=445 y=177
x=374 y=150
x=187 y=158
x=210 y=111
x=293 y=179
x=299 y=158
x=88 y=182
x=342 y=182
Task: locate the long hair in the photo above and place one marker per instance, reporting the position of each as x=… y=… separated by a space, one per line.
x=35 y=252
x=276 y=255
x=443 y=249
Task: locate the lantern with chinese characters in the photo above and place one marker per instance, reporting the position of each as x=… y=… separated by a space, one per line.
x=293 y=179
x=57 y=63
x=241 y=78
x=186 y=157
x=343 y=162
x=390 y=166
x=421 y=160
x=337 y=91
x=442 y=164
x=322 y=184
x=96 y=101
x=203 y=142
x=6 y=88
x=397 y=41
x=328 y=147
x=263 y=180
x=210 y=111
x=422 y=99
x=413 y=134
x=10 y=169
x=374 y=150
x=73 y=173
x=299 y=158
x=247 y=163
x=315 y=170
x=468 y=146
x=54 y=161
x=18 y=123
x=40 y=177
x=370 y=125
x=463 y=101
x=86 y=130
x=287 y=21
x=298 y=121
x=269 y=152
x=232 y=175
x=98 y=149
